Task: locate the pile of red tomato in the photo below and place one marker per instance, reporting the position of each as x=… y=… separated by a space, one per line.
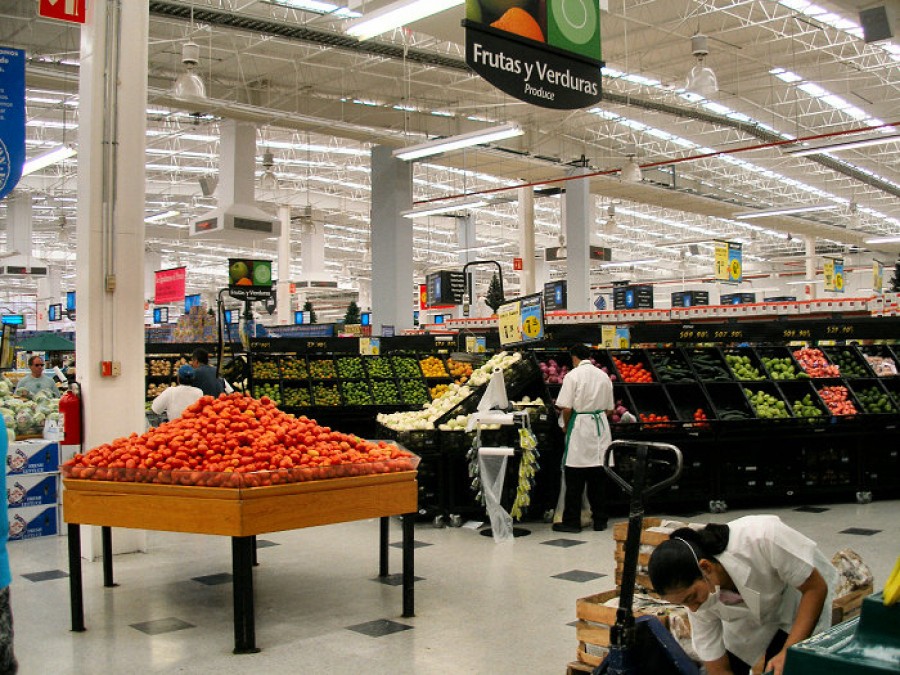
x=654 y=421
x=838 y=400
x=237 y=441
x=632 y=372
x=700 y=418
x=815 y=364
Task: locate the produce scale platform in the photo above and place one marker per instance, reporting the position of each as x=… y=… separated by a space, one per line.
x=239 y=513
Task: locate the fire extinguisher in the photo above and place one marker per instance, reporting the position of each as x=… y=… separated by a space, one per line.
x=70 y=415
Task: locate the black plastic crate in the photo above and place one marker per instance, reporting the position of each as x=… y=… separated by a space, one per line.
x=689 y=398
x=296 y=394
x=632 y=357
x=796 y=392
x=824 y=384
x=709 y=364
x=322 y=369
x=326 y=393
x=873 y=396
x=378 y=367
x=850 y=361
x=882 y=359
x=729 y=402
x=356 y=392
x=293 y=367
x=671 y=366
x=780 y=364
x=775 y=405
x=651 y=401
x=559 y=360
x=750 y=364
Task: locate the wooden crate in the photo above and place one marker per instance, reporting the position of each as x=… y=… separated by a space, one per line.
x=848 y=606
x=620 y=532
x=594 y=622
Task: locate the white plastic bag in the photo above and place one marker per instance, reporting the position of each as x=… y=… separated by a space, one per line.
x=492 y=470
x=495 y=394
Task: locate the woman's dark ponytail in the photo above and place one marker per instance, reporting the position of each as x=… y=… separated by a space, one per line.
x=675 y=565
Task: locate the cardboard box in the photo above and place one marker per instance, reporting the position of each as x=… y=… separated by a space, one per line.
x=36 y=489
x=32 y=522
x=34 y=456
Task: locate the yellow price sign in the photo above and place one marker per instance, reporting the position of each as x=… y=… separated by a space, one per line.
x=721 y=260
x=531 y=327
x=735 y=270
x=509 y=321
x=839 y=282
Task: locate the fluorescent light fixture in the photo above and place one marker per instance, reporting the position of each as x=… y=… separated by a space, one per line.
x=442 y=145
x=318 y=7
x=397 y=14
x=48 y=158
x=630 y=263
x=884 y=240
x=805 y=281
x=845 y=145
x=158 y=217
x=785 y=210
x=437 y=209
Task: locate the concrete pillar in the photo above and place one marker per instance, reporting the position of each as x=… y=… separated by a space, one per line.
x=237 y=162
x=392 y=241
x=526 y=241
x=20 y=215
x=284 y=309
x=110 y=231
x=579 y=219
x=467 y=241
x=811 y=263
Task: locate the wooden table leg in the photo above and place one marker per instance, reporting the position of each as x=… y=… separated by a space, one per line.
x=76 y=599
x=409 y=608
x=106 y=538
x=384 y=526
x=242 y=571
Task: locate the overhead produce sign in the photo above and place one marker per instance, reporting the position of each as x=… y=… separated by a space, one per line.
x=557 y=253
x=877 y=277
x=834 y=275
x=632 y=296
x=12 y=118
x=556 y=295
x=729 y=262
x=544 y=53
x=521 y=321
x=249 y=279
x=445 y=288
x=170 y=286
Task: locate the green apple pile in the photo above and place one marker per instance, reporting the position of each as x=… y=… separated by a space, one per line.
x=766 y=406
x=806 y=407
x=782 y=368
x=270 y=389
x=350 y=368
x=356 y=393
x=326 y=394
x=875 y=401
x=296 y=397
x=743 y=368
x=322 y=369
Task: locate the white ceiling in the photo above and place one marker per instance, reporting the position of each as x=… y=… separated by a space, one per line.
x=321 y=101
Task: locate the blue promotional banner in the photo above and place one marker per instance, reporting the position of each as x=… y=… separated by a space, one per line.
x=12 y=118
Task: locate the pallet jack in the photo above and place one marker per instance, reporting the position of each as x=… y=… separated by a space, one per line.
x=643 y=646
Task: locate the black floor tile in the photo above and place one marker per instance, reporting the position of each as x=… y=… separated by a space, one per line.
x=416 y=544
x=379 y=627
x=859 y=530
x=265 y=543
x=49 y=575
x=563 y=543
x=214 y=579
x=162 y=626
x=580 y=576
x=812 y=509
x=395 y=579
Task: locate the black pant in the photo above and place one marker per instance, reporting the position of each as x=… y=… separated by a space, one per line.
x=576 y=479
x=738 y=667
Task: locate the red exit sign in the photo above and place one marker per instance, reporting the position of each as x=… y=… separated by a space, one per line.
x=74 y=11
x=518 y=263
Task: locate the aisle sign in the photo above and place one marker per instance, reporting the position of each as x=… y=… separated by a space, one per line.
x=877 y=277
x=73 y=11
x=249 y=279
x=170 y=286
x=834 y=275
x=521 y=321
x=544 y=53
x=729 y=262
x=12 y=118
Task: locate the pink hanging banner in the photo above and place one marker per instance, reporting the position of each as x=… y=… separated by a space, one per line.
x=170 y=285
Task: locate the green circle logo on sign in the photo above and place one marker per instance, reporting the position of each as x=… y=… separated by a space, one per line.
x=576 y=19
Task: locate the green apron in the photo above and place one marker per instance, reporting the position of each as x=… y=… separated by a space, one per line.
x=595 y=414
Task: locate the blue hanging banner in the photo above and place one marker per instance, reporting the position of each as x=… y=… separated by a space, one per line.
x=12 y=118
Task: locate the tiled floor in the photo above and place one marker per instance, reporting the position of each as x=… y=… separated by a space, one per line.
x=480 y=607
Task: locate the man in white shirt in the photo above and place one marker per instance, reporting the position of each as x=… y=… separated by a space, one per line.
x=585 y=400
x=175 y=399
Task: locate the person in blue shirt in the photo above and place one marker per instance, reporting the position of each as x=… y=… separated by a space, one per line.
x=8 y=663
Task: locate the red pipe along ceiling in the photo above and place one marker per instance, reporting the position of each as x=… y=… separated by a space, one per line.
x=665 y=162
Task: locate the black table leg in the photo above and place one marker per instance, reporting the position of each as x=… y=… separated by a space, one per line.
x=76 y=599
x=255 y=560
x=242 y=571
x=106 y=537
x=383 y=546
x=409 y=608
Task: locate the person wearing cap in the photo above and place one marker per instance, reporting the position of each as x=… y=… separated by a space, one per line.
x=31 y=384
x=175 y=399
x=205 y=375
x=753 y=588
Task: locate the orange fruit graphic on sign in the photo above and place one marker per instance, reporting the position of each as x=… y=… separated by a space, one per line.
x=516 y=20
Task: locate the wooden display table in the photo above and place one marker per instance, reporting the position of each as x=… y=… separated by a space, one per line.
x=239 y=513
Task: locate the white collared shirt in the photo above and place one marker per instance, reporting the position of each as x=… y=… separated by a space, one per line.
x=585 y=389
x=767 y=561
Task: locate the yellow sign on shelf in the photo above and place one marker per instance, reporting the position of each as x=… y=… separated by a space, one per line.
x=729 y=262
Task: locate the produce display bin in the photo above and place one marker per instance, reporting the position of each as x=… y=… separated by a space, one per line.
x=241 y=513
x=795 y=391
x=775 y=403
x=652 y=400
x=882 y=359
x=822 y=385
x=632 y=357
x=892 y=385
x=322 y=369
x=709 y=364
x=849 y=360
x=873 y=396
x=378 y=367
x=746 y=354
x=687 y=398
x=671 y=366
x=729 y=402
x=296 y=394
x=783 y=354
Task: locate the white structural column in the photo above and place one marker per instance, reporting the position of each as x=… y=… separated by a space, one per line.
x=392 y=241
x=526 y=240
x=312 y=252
x=578 y=218
x=110 y=231
x=152 y=263
x=49 y=291
x=467 y=241
x=284 y=267
x=20 y=217
x=811 y=264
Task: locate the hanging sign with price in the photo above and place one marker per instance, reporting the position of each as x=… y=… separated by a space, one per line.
x=729 y=262
x=521 y=321
x=834 y=274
